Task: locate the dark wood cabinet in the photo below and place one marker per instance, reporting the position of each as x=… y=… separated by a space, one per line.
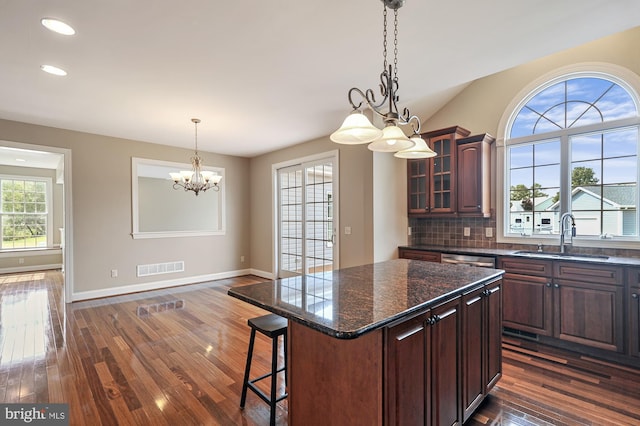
x=473 y=178
x=527 y=295
x=633 y=309
x=571 y=301
x=406 y=372
x=589 y=306
x=423 y=363
x=482 y=345
x=431 y=183
x=430 y=256
x=634 y=323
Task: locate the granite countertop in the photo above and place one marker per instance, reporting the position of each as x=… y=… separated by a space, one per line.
x=608 y=260
x=347 y=303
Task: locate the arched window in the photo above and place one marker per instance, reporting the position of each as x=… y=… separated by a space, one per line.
x=571 y=146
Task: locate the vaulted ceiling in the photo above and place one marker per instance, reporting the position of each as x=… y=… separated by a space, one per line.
x=262 y=75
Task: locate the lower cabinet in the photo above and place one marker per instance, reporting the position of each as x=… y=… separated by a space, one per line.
x=528 y=303
x=441 y=364
x=633 y=297
x=570 y=301
x=422 y=368
x=482 y=345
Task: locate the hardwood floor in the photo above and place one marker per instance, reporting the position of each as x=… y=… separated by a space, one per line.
x=176 y=357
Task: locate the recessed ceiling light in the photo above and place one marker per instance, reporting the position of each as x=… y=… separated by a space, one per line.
x=53 y=70
x=57 y=26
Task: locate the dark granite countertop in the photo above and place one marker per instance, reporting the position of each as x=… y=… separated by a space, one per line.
x=347 y=303
x=608 y=260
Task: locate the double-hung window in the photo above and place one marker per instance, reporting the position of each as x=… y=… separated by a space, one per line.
x=25 y=212
x=572 y=147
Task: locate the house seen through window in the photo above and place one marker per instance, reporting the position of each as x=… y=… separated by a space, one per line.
x=24 y=212
x=572 y=146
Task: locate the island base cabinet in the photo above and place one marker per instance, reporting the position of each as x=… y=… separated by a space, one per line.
x=334 y=381
x=423 y=369
x=482 y=345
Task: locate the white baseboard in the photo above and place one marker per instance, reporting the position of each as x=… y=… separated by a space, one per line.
x=262 y=274
x=30 y=268
x=155 y=285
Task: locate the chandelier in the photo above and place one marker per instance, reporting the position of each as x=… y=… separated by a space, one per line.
x=196 y=179
x=357 y=129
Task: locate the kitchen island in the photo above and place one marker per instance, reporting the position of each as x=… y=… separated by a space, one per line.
x=396 y=342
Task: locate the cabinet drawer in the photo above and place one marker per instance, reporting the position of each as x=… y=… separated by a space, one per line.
x=598 y=274
x=633 y=277
x=515 y=265
x=430 y=256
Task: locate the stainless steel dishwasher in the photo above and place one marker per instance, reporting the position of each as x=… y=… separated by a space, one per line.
x=464 y=259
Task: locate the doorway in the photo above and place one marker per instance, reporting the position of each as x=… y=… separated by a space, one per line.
x=15 y=156
x=307 y=206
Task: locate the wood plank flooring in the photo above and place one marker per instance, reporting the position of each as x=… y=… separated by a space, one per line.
x=176 y=357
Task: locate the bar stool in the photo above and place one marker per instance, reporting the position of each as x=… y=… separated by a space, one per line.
x=272 y=326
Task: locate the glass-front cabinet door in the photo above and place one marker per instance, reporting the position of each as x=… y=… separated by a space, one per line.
x=442 y=199
x=431 y=182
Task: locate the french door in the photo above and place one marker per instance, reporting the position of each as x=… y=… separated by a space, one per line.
x=307 y=209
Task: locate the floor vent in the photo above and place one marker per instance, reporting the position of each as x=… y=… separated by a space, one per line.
x=160 y=268
x=519 y=333
x=146 y=310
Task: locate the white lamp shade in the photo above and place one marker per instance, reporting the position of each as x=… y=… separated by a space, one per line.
x=393 y=139
x=206 y=175
x=176 y=177
x=215 y=179
x=419 y=150
x=186 y=175
x=356 y=129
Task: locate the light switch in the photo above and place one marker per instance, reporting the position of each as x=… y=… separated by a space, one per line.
x=466 y=231
x=488 y=232
x=347 y=230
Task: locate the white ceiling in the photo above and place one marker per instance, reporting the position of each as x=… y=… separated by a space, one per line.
x=263 y=75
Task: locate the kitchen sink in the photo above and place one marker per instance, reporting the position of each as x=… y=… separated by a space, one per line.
x=555 y=255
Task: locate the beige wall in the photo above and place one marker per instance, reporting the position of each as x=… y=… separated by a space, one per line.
x=101 y=185
x=356 y=201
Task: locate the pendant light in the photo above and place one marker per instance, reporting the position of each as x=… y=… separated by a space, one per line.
x=357 y=129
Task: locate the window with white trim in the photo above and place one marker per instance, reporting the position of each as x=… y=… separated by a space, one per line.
x=572 y=146
x=25 y=212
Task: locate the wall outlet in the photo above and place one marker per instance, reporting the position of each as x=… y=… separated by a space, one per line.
x=241 y=258
x=488 y=232
x=347 y=230
x=409 y=230
x=114 y=273
x=21 y=260
x=466 y=231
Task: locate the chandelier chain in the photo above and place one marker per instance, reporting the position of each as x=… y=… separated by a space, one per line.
x=395 y=43
x=384 y=36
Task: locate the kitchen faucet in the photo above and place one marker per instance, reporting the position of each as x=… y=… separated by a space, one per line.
x=564 y=228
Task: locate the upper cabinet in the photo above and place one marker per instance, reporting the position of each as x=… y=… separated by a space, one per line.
x=432 y=181
x=456 y=182
x=474 y=179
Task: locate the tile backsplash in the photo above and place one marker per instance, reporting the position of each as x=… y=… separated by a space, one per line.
x=450 y=232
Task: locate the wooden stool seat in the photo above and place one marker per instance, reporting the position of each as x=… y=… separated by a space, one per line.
x=272 y=326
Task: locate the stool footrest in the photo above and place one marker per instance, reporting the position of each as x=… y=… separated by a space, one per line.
x=264 y=396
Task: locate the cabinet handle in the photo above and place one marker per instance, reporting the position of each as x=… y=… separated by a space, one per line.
x=409 y=333
x=556 y=285
x=548 y=284
x=634 y=295
x=479 y=206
